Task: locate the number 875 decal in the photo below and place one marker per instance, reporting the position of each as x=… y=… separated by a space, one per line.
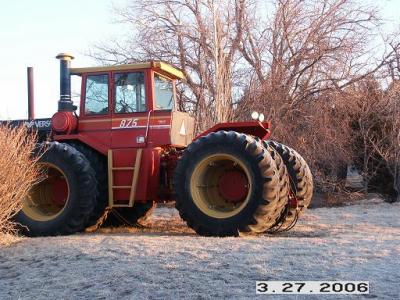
x=128 y=123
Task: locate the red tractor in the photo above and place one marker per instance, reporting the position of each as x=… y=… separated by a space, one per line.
x=130 y=148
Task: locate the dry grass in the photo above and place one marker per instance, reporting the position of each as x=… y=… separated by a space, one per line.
x=18 y=172
x=8 y=239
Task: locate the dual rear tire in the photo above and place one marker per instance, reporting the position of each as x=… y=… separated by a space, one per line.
x=227 y=184
x=301 y=183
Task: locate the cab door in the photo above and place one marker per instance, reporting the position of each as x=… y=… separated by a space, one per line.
x=130 y=125
x=164 y=104
x=130 y=109
x=95 y=112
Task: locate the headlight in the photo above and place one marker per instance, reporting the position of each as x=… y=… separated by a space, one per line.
x=255 y=115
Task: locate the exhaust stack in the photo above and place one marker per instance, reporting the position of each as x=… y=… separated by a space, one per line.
x=31 y=96
x=64 y=121
x=65 y=102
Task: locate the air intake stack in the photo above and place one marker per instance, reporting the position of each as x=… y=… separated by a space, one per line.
x=65 y=102
x=65 y=121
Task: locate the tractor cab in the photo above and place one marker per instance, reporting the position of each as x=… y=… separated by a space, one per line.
x=124 y=106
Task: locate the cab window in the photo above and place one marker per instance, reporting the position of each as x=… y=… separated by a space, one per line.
x=130 y=94
x=164 y=92
x=96 y=99
x=76 y=85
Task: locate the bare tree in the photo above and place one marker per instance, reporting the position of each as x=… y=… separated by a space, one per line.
x=375 y=111
x=227 y=49
x=309 y=47
x=374 y=114
x=303 y=59
x=201 y=37
x=298 y=61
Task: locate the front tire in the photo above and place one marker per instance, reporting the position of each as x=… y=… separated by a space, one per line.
x=99 y=165
x=61 y=203
x=226 y=183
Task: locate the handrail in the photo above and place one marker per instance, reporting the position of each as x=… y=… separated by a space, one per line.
x=148 y=125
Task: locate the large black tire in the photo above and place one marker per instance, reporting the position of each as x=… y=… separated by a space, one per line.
x=301 y=180
x=72 y=217
x=284 y=181
x=130 y=216
x=220 y=152
x=99 y=165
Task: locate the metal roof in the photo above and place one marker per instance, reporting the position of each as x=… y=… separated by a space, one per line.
x=156 y=65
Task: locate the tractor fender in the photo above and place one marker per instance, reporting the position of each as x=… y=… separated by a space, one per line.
x=84 y=139
x=257 y=129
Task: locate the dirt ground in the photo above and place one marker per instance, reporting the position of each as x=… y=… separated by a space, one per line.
x=168 y=261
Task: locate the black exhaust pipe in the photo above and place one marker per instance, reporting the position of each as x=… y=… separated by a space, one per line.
x=31 y=96
x=65 y=102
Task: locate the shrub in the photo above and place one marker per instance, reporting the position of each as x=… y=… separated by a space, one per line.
x=18 y=172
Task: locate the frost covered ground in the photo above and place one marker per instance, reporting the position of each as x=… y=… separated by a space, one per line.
x=168 y=261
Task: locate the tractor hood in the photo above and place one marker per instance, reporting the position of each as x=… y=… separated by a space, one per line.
x=38 y=124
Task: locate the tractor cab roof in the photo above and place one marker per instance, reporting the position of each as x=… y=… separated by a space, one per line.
x=160 y=66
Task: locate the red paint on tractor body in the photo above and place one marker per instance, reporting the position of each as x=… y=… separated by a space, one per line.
x=149 y=130
x=258 y=129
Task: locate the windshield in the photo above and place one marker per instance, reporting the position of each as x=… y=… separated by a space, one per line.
x=164 y=90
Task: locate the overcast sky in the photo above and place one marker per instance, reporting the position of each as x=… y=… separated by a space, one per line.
x=32 y=33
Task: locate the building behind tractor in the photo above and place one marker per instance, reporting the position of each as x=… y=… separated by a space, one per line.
x=128 y=147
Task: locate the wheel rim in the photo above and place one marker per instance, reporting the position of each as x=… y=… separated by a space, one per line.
x=220 y=185
x=47 y=199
